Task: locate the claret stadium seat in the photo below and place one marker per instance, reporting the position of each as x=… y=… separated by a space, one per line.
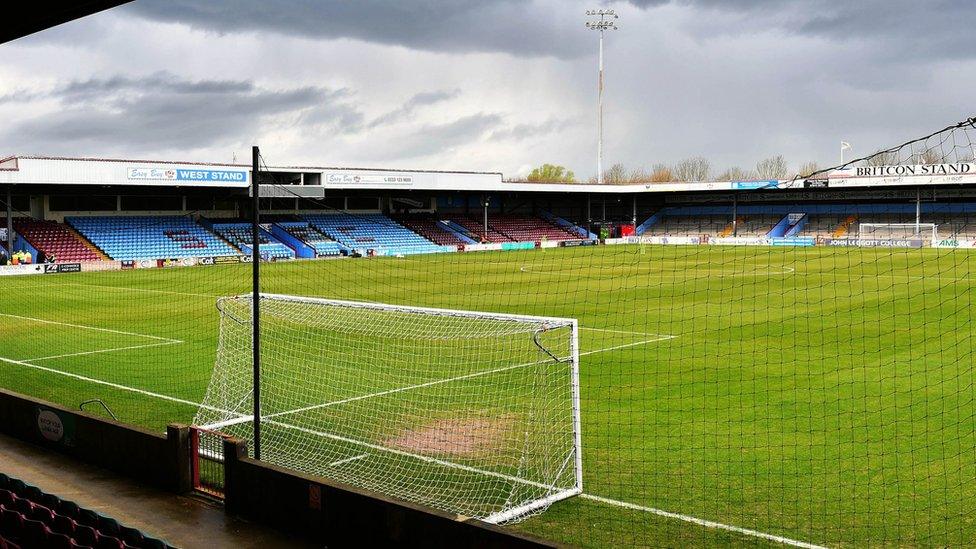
x=55 y=240
x=430 y=228
x=528 y=229
x=31 y=518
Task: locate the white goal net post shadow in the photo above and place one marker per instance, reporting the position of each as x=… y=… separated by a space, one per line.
x=475 y=413
x=921 y=231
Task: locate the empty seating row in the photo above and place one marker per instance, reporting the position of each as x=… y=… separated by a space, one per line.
x=55 y=240
x=431 y=229
x=371 y=232
x=239 y=234
x=151 y=237
x=528 y=229
x=32 y=518
x=711 y=225
x=322 y=244
x=476 y=227
x=756 y=225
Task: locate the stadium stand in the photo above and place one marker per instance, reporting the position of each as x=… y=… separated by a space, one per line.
x=151 y=237
x=430 y=228
x=756 y=225
x=689 y=225
x=371 y=232
x=822 y=220
x=954 y=226
x=322 y=244
x=56 y=240
x=32 y=518
x=239 y=234
x=528 y=229
x=476 y=227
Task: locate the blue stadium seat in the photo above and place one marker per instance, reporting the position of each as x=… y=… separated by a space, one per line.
x=151 y=237
x=372 y=231
x=239 y=234
x=322 y=244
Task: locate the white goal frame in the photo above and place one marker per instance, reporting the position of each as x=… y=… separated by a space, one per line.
x=919 y=228
x=515 y=513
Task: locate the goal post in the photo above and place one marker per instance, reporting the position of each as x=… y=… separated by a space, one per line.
x=469 y=412
x=920 y=231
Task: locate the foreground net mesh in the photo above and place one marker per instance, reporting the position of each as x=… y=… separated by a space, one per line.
x=472 y=413
x=818 y=389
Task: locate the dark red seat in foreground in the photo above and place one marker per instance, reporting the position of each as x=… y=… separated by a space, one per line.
x=32 y=518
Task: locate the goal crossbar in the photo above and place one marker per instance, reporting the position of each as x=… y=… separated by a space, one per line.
x=918 y=228
x=551 y=320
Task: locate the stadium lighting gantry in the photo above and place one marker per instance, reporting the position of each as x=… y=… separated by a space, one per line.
x=604 y=20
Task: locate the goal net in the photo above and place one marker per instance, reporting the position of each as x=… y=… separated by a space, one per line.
x=927 y=232
x=472 y=413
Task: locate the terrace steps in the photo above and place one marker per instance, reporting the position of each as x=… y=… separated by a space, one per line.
x=101 y=255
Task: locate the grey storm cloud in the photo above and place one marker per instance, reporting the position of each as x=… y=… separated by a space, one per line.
x=529 y=28
x=162 y=111
x=734 y=80
x=519 y=132
x=511 y=26
x=405 y=111
x=434 y=138
x=939 y=29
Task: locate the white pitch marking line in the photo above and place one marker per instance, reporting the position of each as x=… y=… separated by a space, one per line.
x=347 y=460
x=626 y=345
x=120 y=332
x=110 y=384
x=703 y=522
x=676 y=273
x=686 y=518
x=449 y=380
x=620 y=331
x=53 y=357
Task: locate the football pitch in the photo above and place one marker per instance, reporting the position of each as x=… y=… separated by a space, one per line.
x=729 y=395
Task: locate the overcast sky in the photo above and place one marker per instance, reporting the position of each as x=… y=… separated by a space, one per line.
x=481 y=85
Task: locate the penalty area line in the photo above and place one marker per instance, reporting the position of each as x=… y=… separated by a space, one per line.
x=110 y=384
x=93 y=328
x=112 y=350
x=626 y=345
x=703 y=522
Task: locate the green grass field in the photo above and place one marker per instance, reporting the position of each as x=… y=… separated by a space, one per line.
x=822 y=395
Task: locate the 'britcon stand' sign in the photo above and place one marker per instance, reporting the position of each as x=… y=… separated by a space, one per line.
x=186 y=175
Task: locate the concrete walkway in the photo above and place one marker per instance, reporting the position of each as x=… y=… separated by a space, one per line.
x=183 y=521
